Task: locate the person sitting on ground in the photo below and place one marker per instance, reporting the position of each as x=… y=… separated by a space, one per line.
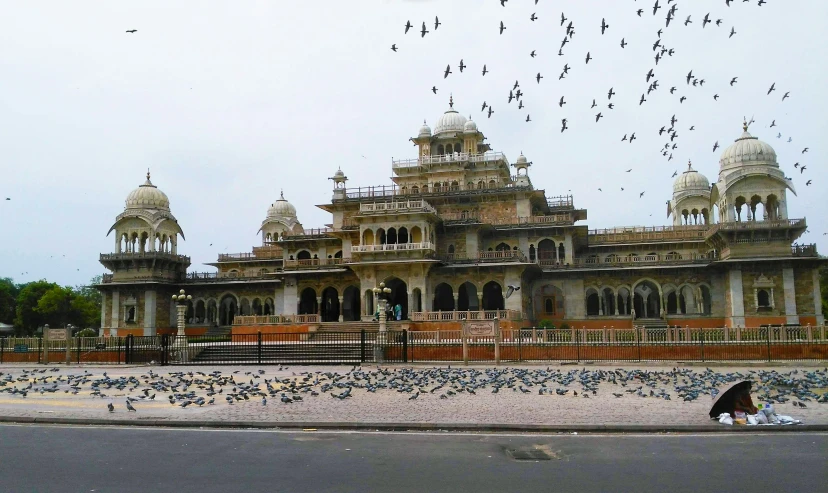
x=743 y=402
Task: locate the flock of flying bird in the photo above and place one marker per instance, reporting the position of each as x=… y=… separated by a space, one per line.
x=661 y=50
x=183 y=389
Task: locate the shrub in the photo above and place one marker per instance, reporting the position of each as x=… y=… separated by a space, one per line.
x=87 y=333
x=546 y=324
x=565 y=326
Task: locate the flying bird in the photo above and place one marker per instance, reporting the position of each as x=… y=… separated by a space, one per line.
x=423 y=31
x=532 y=54
x=561 y=102
x=434 y=89
x=528 y=119
x=598 y=117
x=484 y=70
x=511 y=289
x=588 y=58
x=804 y=150
x=490 y=112
x=786 y=96
x=623 y=43
x=715 y=146
x=394 y=47
x=604 y=26
x=538 y=77
x=563 y=125
x=462 y=66
x=407 y=26
x=502 y=27
x=772 y=88
x=132 y=31
x=436 y=22
x=448 y=71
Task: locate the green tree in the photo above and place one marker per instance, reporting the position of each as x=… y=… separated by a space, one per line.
x=61 y=306
x=27 y=319
x=823 y=286
x=8 y=300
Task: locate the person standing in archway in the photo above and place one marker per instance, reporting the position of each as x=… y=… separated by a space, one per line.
x=398 y=312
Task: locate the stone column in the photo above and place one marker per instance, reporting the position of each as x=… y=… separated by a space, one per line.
x=737 y=302
x=341 y=308
x=820 y=317
x=789 y=290
x=149 y=312
x=116 y=313
x=103 y=309
x=319 y=307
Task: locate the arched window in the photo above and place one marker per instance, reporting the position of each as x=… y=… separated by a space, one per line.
x=451 y=249
x=458 y=148
x=763 y=298
x=455 y=186
x=303 y=255
x=415 y=190
x=440 y=150
x=532 y=253
x=492 y=184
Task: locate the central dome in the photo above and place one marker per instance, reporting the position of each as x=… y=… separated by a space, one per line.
x=147 y=196
x=282 y=208
x=691 y=180
x=747 y=149
x=450 y=121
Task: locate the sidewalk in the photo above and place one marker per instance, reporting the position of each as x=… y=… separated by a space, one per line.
x=509 y=409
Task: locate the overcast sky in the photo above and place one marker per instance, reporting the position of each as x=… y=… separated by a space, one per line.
x=229 y=102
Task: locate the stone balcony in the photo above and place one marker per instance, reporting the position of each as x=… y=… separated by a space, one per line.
x=396 y=207
x=393 y=247
x=616 y=261
x=473 y=217
x=429 y=162
x=505 y=256
x=653 y=234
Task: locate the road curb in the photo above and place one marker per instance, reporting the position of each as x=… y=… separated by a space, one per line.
x=457 y=427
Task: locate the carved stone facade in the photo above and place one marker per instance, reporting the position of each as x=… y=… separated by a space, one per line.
x=456 y=231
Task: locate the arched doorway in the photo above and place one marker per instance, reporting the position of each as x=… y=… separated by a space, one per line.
x=547 y=251
x=350 y=304
x=647 y=300
x=369 y=302
x=212 y=311
x=443 y=298
x=492 y=296
x=467 y=297
x=399 y=295
x=303 y=255
x=416 y=299
x=228 y=307
x=307 y=302
x=330 y=305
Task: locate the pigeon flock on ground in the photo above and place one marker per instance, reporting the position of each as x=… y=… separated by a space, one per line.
x=182 y=389
x=698 y=83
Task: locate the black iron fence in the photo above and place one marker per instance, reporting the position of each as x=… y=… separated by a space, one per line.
x=514 y=346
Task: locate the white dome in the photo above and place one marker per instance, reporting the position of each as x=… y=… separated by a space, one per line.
x=147 y=196
x=521 y=159
x=425 y=130
x=339 y=174
x=451 y=121
x=691 y=180
x=747 y=149
x=282 y=208
x=470 y=127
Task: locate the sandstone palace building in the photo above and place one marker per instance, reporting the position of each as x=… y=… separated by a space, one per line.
x=459 y=231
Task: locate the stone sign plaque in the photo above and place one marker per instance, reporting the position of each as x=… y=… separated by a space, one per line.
x=57 y=334
x=481 y=328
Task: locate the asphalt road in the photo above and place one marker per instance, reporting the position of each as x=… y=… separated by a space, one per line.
x=78 y=459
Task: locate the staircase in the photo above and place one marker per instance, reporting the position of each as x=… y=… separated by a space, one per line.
x=305 y=353
x=218 y=330
x=360 y=326
x=651 y=323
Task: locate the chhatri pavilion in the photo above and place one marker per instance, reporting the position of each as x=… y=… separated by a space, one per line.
x=462 y=230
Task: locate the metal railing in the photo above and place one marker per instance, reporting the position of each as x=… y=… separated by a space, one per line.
x=783 y=343
x=392 y=247
x=804 y=250
x=560 y=201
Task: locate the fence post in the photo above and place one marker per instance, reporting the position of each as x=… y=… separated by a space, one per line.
x=78 y=348
x=701 y=336
x=520 y=348
x=259 y=346
x=2 y=344
x=578 y=344
x=40 y=350
x=128 y=349
x=405 y=345
x=638 y=340
x=118 y=344
x=362 y=346
x=768 y=331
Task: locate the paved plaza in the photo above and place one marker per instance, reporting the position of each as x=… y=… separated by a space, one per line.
x=609 y=404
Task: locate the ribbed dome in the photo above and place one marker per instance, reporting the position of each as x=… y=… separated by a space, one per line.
x=747 y=149
x=147 y=196
x=425 y=130
x=339 y=174
x=470 y=127
x=451 y=121
x=691 y=180
x=282 y=208
x=521 y=159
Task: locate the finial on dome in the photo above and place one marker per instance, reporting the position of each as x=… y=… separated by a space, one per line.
x=424 y=122
x=745 y=125
x=282 y=194
x=451 y=101
x=689 y=165
x=148 y=174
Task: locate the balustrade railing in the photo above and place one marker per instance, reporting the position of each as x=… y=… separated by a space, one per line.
x=144 y=255
x=392 y=207
x=751 y=225
x=275 y=319
x=560 y=201
x=494 y=256
x=657 y=233
x=454 y=316
x=312 y=262
x=392 y=247
x=804 y=250
x=451 y=158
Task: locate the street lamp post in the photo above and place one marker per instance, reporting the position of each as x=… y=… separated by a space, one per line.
x=181 y=300
x=381 y=293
